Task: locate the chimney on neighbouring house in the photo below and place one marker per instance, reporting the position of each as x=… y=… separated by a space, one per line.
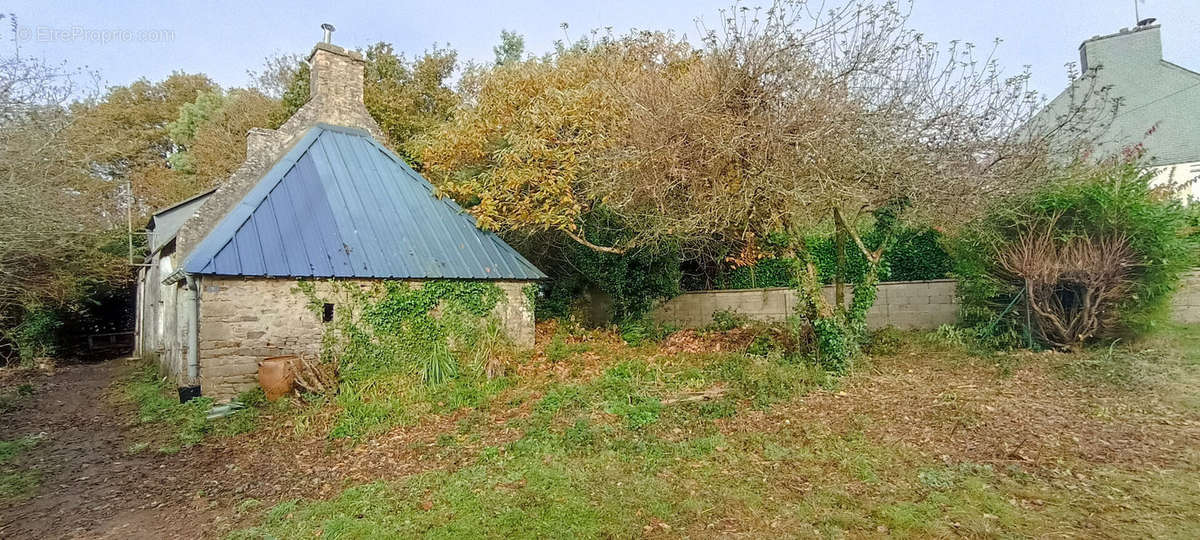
x=1131 y=47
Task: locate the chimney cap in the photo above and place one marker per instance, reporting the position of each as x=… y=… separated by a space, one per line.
x=328 y=28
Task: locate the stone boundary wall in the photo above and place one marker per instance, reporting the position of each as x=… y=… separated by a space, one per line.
x=1185 y=307
x=908 y=305
x=244 y=320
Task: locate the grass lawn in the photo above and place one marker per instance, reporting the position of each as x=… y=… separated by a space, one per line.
x=17 y=482
x=694 y=437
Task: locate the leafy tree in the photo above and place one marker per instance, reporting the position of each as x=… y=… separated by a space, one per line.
x=183 y=130
x=785 y=119
x=57 y=217
x=408 y=98
x=276 y=75
x=123 y=136
x=510 y=49
x=211 y=133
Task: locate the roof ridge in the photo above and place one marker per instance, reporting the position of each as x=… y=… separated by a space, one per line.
x=337 y=214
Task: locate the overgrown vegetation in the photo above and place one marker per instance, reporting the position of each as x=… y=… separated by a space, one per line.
x=914 y=255
x=1092 y=256
x=622 y=454
x=176 y=425
x=401 y=348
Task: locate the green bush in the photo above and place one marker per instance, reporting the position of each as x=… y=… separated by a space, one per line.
x=633 y=280
x=1109 y=199
x=638 y=331
x=38 y=333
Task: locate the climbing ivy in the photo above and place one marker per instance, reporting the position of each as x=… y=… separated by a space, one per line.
x=915 y=254
x=839 y=331
x=531 y=293
x=386 y=336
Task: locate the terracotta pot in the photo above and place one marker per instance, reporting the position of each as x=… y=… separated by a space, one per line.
x=275 y=376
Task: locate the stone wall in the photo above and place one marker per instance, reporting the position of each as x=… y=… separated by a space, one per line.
x=1185 y=306
x=244 y=320
x=908 y=305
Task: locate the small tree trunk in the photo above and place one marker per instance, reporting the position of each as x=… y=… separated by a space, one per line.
x=839 y=279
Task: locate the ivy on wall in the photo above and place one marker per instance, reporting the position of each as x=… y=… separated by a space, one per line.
x=391 y=336
x=916 y=254
x=633 y=280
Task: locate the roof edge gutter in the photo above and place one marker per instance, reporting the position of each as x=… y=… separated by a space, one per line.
x=175 y=277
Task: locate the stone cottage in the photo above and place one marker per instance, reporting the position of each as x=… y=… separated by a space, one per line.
x=318 y=198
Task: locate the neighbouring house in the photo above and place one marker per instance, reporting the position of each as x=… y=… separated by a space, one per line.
x=1157 y=103
x=319 y=198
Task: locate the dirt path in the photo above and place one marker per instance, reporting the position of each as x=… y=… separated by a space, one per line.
x=87 y=475
x=92 y=485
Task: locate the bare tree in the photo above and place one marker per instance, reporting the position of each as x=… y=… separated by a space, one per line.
x=53 y=215
x=276 y=75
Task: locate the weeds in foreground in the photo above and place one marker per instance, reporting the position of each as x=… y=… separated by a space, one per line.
x=16 y=481
x=622 y=455
x=183 y=424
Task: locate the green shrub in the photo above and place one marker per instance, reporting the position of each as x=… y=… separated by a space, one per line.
x=633 y=280
x=725 y=320
x=1104 y=200
x=38 y=333
x=638 y=331
x=884 y=342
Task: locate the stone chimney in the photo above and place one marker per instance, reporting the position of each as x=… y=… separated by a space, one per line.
x=337 y=74
x=1129 y=48
x=335 y=97
x=335 y=90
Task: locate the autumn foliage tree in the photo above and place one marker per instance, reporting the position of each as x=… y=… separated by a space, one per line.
x=784 y=119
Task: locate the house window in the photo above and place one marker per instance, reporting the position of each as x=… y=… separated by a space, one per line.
x=327 y=313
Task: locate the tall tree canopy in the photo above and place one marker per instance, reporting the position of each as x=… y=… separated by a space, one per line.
x=776 y=120
x=406 y=97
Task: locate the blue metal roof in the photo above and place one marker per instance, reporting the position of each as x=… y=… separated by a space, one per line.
x=339 y=204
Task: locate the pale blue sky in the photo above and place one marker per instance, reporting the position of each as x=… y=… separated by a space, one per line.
x=226 y=38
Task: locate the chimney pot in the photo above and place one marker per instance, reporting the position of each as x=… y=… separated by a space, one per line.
x=328 y=28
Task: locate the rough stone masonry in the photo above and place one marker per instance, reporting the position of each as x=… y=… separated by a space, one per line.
x=247 y=319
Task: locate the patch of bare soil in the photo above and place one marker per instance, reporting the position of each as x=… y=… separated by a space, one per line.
x=94 y=486
x=959 y=409
x=86 y=473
